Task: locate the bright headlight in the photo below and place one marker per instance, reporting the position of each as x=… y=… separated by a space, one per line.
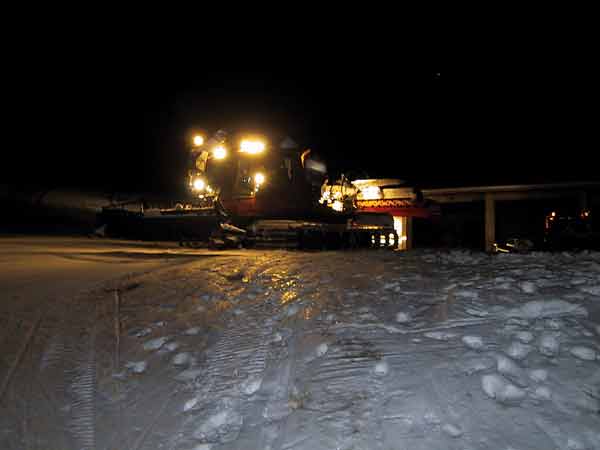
x=199 y=184
x=220 y=152
x=259 y=179
x=252 y=147
x=198 y=140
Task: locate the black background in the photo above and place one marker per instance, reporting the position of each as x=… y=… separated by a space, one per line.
x=118 y=113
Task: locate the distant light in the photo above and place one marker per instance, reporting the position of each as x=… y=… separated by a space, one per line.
x=337 y=206
x=198 y=140
x=553 y=214
x=259 y=179
x=220 y=152
x=252 y=146
x=371 y=193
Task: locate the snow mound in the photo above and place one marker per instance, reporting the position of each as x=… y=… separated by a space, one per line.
x=585 y=353
x=502 y=391
x=538 y=308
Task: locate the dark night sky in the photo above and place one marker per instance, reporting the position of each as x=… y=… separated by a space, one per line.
x=118 y=117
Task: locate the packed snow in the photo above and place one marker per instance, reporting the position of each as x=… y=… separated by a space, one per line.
x=284 y=350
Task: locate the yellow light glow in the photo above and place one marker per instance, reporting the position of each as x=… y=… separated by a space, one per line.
x=259 y=179
x=198 y=140
x=220 y=152
x=199 y=184
x=553 y=214
x=252 y=147
x=371 y=193
x=337 y=206
x=401 y=228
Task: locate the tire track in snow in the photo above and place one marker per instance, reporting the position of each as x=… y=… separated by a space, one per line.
x=239 y=354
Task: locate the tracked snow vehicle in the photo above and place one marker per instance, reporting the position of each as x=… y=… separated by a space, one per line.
x=248 y=190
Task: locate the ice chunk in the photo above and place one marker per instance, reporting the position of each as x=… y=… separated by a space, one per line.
x=193 y=331
x=524 y=336
x=592 y=290
x=473 y=365
x=538 y=309
x=440 y=335
x=403 y=317
x=137 y=366
x=188 y=375
x=585 y=353
x=499 y=389
x=381 y=368
x=452 y=430
x=223 y=419
x=549 y=344
x=538 y=375
x=528 y=287
x=474 y=342
x=511 y=370
x=542 y=393
x=190 y=404
x=477 y=312
x=431 y=418
x=322 y=349
x=181 y=359
x=251 y=384
x=155 y=344
x=171 y=346
x=578 y=281
x=467 y=293
x=518 y=350
x=137 y=332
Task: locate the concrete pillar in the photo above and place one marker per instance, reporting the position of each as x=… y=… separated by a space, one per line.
x=490 y=222
x=409 y=233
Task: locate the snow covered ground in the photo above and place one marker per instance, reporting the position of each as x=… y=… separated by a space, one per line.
x=288 y=350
